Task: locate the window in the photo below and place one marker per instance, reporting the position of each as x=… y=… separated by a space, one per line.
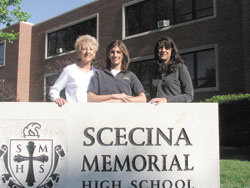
x=2 y=53
x=202 y=68
x=143 y=15
x=186 y=10
x=147 y=73
x=49 y=80
x=64 y=40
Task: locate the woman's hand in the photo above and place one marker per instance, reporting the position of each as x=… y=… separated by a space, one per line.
x=113 y=101
x=60 y=101
x=158 y=100
x=115 y=98
x=121 y=96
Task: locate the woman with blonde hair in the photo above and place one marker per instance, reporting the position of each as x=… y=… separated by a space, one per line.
x=75 y=77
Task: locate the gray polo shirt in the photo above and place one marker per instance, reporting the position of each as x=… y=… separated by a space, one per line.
x=104 y=83
x=176 y=86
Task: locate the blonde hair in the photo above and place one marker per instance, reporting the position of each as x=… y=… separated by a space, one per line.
x=89 y=40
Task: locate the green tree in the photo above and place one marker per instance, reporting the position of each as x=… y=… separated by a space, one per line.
x=11 y=12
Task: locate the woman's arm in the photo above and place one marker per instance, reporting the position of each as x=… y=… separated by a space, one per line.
x=137 y=90
x=139 y=98
x=114 y=98
x=55 y=90
x=92 y=97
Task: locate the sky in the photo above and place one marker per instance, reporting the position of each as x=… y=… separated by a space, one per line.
x=42 y=10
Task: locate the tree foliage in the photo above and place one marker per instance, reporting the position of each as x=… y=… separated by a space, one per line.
x=11 y=12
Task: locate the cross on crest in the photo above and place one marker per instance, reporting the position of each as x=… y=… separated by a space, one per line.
x=31 y=161
x=30 y=180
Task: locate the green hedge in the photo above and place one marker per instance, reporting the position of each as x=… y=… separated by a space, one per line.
x=234 y=119
x=228 y=98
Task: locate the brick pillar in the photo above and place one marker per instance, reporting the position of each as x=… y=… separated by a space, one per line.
x=246 y=42
x=23 y=67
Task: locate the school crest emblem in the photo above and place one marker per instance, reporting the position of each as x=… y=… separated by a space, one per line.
x=31 y=161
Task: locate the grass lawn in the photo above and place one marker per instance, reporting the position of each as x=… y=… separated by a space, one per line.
x=235 y=174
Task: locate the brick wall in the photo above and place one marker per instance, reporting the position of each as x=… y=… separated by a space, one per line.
x=8 y=73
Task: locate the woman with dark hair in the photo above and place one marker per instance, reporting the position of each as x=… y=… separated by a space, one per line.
x=115 y=83
x=175 y=84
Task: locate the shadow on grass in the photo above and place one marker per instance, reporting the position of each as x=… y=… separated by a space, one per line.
x=235 y=153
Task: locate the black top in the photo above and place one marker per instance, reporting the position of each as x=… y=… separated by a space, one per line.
x=104 y=83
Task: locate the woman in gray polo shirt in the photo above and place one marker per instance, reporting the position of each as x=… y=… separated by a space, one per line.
x=115 y=83
x=175 y=84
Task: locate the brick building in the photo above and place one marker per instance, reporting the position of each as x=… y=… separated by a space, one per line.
x=212 y=36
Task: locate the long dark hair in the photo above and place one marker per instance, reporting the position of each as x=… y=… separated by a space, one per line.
x=175 y=58
x=123 y=48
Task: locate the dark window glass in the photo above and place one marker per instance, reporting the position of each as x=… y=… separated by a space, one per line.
x=201 y=4
x=204 y=8
x=189 y=59
x=147 y=73
x=163 y=9
x=81 y=29
x=51 y=44
x=2 y=54
x=60 y=41
x=143 y=16
x=50 y=80
x=185 y=10
x=91 y=27
x=201 y=66
x=64 y=39
x=148 y=16
x=132 y=20
x=182 y=10
x=70 y=38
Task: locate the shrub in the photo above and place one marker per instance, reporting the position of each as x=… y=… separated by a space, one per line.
x=228 y=98
x=234 y=119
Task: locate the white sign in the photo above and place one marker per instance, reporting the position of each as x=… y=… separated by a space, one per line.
x=109 y=145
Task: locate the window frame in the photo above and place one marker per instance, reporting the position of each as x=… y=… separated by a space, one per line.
x=66 y=26
x=143 y=58
x=4 y=53
x=45 y=83
x=202 y=48
x=124 y=37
